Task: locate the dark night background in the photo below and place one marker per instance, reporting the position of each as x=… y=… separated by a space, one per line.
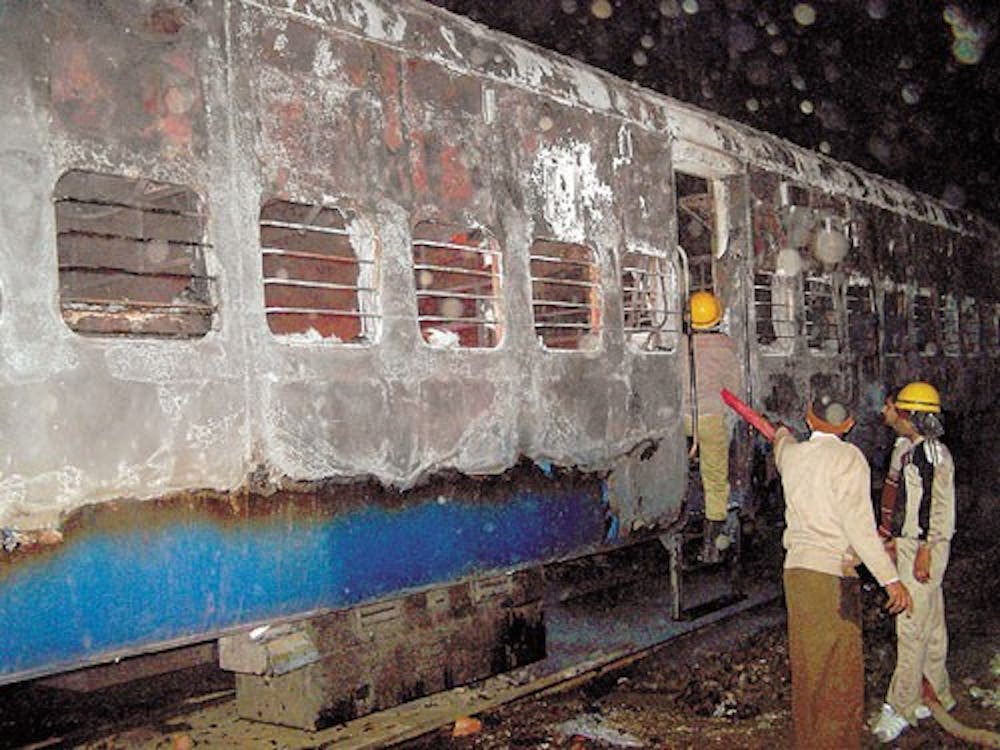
x=904 y=88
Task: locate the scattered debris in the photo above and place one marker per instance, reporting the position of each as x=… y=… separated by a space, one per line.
x=987 y=698
x=594 y=727
x=466 y=726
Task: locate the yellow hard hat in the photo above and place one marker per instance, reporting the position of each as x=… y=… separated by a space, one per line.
x=706 y=310
x=919 y=396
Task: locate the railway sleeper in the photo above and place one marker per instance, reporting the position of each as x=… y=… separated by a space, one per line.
x=342 y=665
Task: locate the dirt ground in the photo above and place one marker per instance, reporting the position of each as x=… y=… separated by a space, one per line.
x=739 y=695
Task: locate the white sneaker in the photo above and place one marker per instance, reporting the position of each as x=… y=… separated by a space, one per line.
x=890 y=724
x=922 y=712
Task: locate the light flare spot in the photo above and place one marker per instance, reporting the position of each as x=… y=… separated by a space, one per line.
x=877 y=9
x=670 y=8
x=804 y=14
x=806 y=107
x=601 y=9
x=690 y=7
x=451 y=307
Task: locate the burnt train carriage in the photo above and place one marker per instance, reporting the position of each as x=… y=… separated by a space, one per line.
x=305 y=305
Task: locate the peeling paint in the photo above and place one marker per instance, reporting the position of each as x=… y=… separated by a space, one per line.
x=569 y=179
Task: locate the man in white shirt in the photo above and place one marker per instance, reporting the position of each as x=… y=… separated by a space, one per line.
x=830 y=528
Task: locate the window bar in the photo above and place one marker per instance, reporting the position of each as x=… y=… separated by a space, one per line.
x=563 y=261
x=304 y=228
x=456 y=246
x=319 y=311
x=274 y=281
x=90 y=304
x=566 y=282
x=453 y=269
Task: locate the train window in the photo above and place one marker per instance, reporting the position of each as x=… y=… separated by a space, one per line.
x=650 y=301
x=971 y=329
x=131 y=257
x=894 y=313
x=821 y=308
x=319 y=273
x=565 y=295
x=950 y=340
x=774 y=310
x=862 y=329
x=457 y=275
x=924 y=328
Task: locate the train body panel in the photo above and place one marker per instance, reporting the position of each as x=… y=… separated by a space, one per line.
x=139 y=575
x=261 y=256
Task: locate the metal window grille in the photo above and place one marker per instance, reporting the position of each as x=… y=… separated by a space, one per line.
x=457 y=274
x=773 y=299
x=131 y=257
x=924 y=323
x=316 y=282
x=862 y=322
x=822 y=325
x=894 y=313
x=565 y=295
x=950 y=338
x=650 y=301
x=971 y=328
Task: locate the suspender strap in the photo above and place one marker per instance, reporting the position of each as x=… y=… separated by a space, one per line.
x=926 y=469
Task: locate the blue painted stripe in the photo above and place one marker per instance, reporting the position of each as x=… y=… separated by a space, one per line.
x=111 y=590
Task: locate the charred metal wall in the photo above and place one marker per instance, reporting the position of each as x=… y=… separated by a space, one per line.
x=905 y=262
x=367 y=108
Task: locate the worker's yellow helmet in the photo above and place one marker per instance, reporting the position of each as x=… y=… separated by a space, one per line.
x=919 y=396
x=706 y=310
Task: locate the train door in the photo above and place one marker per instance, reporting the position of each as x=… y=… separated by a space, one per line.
x=711 y=213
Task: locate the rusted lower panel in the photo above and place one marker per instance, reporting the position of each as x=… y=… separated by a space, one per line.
x=131 y=576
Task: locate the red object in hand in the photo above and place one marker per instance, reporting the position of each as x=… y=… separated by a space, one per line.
x=755 y=420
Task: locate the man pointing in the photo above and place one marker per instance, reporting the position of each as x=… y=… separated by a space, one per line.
x=830 y=529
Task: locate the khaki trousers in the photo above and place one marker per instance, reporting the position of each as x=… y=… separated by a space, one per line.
x=824 y=652
x=713 y=449
x=921 y=635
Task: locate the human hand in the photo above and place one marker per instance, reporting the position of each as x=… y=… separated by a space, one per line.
x=781 y=432
x=899 y=598
x=922 y=564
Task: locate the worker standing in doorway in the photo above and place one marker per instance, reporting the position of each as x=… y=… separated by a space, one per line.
x=918 y=520
x=716 y=366
x=830 y=529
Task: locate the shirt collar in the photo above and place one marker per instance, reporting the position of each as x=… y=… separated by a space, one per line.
x=819 y=435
